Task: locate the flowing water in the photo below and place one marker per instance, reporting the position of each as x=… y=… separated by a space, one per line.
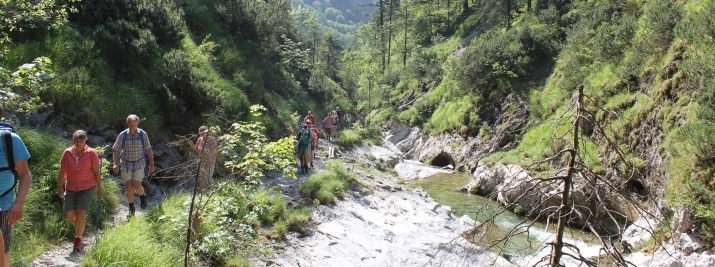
x=445 y=188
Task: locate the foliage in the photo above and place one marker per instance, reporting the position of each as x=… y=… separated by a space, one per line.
x=19 y=16
x=251 y=153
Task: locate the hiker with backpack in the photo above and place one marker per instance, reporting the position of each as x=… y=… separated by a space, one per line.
x=304 y=138
x=79 y=180
x=339 y=118
x=133 y=150
x=348 y=120
x=310 y=118
x=328 y=124
x=209 y=147
x=336 y=121
x=14 y=156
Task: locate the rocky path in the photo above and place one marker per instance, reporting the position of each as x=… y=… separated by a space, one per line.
x=380 y=224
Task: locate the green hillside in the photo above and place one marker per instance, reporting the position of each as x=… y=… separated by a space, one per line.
x=644 y=65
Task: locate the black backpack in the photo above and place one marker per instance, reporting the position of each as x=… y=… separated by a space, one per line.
x=7 y=142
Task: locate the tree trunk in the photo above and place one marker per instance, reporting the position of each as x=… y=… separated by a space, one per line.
x=465 y=5
x=528 y=5
x=508 y=13
x=404 y=46
x=389 y=34
x=382 y=34
x=564 y=209
x=449 y=3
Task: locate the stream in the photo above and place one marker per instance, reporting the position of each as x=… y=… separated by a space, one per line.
x=445 y=188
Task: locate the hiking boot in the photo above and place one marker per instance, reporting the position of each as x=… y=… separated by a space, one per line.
x=131 y=209
x=311 y=165
x=143 y=201
x=77 y=245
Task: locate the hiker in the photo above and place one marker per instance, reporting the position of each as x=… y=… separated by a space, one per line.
x=328 y=124
x=12 y=204
x=133 y=150
x=304 y=137
x=209 y=147
x=340 y=117
x=361 y=118
x=313 y=143
x=348 y=119
x=336 y=120
x=79 y=181
x=310 y=118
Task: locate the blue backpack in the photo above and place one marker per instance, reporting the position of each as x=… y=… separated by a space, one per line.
x=5 y=130
x=125 y=133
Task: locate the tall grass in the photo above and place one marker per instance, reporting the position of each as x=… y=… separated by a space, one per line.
x=132 y=244
x=326 y=186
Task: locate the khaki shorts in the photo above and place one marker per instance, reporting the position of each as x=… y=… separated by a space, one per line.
x=137 y=175
x=79 y=200
x=304 y=151
x=205 y=175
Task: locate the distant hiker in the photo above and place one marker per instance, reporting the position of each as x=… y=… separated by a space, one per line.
x=336 y=120
x=208 y=145
x=328 y=124
x=348 y=119
x=79 y=181
x=132 y=149
x=14 y=157
x=340 y=116
x=304 y=137
x=361 y=118
x=313 y=143
x=310 y=118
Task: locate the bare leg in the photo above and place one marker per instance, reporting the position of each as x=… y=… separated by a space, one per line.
x=130 y=191
x=138 y=187
x=79 y=222
x=71 y=216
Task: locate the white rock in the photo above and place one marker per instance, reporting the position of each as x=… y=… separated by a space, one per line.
x=409 y=169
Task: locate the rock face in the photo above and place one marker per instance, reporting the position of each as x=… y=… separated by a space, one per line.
x=683 y=252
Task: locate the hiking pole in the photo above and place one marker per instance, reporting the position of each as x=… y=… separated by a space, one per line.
x=100 y=225
x=187 y=249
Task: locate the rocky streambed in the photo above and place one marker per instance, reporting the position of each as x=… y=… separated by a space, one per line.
x=384 y=223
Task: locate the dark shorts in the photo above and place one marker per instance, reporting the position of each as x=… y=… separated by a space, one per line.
x=6 y=231
x=79 y=200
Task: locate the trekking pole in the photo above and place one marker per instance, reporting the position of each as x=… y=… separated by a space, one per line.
x=187 y=249
x=100 y=225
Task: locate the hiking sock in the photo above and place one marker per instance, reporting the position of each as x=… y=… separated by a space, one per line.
x=131 y=209
x=143 y=201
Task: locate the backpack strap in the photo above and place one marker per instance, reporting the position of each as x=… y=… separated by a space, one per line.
x=9 y=155
x=141 y=138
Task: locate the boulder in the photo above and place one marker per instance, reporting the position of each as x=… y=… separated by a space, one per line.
x=409 y=169
x=386 y=156
x=690 y=243
x=683 y=221
x=484 y=182
x=639 y=232
x=398 y=131
x=409 y=141
x=518 y=189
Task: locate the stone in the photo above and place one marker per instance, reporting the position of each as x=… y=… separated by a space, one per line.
x=484 y=182
x=639 y=232
x=683 y=221
x=409 y=169
x=690 y=243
